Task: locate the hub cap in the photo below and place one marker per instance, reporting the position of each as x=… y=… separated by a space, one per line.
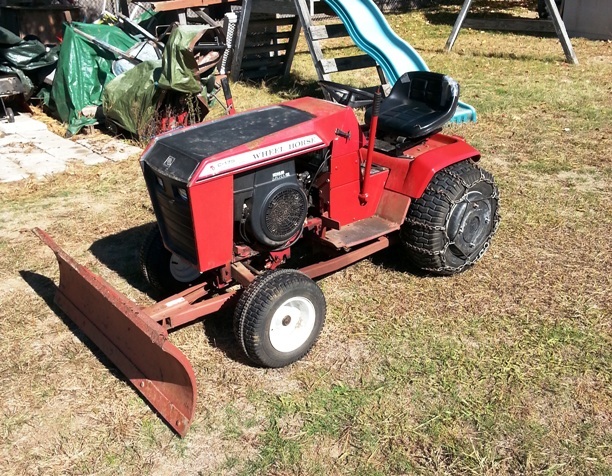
x=182 y=270
x=470 y=224
x=292 y=324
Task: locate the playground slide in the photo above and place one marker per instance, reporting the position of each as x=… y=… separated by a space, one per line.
x=370 y=31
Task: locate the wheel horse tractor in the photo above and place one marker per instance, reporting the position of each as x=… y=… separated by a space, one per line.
x=252 y=207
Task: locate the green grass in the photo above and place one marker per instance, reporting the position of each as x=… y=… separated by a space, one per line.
x=504 y=369
x=474 y=405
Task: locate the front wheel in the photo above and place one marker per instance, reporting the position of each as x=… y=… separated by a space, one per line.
x=279 y=318
x=450 y=227
x=166 y=272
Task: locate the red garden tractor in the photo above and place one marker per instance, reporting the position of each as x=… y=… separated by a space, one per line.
x=252 y=207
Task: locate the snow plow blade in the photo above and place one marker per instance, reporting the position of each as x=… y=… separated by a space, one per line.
x=129 y=337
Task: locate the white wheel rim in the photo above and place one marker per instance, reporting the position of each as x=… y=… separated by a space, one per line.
x=183 y=271
x=292 y=324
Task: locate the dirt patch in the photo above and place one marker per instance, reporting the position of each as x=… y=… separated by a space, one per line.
x=587 y=180
x=11 y=285
x=113 y=150
x=600 y=59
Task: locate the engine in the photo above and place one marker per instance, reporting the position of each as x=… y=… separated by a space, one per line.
x=270 y=206
x=272 y=203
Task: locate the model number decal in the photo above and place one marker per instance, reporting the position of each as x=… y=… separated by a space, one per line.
x=270 y=152
x=279 y=175
x=169 y=161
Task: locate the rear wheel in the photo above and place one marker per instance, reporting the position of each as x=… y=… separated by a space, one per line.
x=450 y=227
x=10 y=115
x=279 y=317
x=167 y=273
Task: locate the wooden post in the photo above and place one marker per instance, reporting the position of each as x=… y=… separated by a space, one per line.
x=295 y=28
x=455 y=31
x=243 y=25
x=123 y=7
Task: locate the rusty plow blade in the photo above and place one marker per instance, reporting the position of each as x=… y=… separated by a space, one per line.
x=131 y=339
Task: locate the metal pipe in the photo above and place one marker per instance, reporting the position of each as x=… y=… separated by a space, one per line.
x=453 y=36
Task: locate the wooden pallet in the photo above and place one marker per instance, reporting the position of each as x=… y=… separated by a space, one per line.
x=266 y=41
x=268 y=31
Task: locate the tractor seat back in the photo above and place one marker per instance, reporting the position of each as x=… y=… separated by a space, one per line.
x=419 y=104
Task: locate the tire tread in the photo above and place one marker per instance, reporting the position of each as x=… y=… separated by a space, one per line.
x=256 y=301
x=422 y=232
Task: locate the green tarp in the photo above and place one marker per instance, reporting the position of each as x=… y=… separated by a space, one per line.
x=84 y=70
x=131 y=99
x=84 y=77
x=25 y=58
x=178 y=63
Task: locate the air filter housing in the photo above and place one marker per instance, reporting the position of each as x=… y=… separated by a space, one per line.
x=275 y=208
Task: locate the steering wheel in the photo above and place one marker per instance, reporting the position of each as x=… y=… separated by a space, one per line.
x=347 y=95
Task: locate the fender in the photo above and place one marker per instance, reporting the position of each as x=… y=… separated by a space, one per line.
x=442 y=152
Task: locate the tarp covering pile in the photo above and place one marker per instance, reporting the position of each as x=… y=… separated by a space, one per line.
x=30 y=60
x=131 y=100
x=85 y=77
x=84 y=70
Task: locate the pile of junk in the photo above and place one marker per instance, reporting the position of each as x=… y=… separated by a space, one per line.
x=138 y=76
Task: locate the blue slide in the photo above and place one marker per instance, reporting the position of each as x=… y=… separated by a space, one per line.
x=370 y=31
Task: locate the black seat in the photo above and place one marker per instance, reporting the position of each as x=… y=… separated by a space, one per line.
x=419 y=104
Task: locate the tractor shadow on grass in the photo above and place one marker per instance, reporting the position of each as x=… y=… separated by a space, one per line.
x=394 y=259
x=121 y=253
x=218 y=329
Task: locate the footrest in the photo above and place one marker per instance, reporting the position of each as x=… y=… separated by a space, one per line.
x=360 y=232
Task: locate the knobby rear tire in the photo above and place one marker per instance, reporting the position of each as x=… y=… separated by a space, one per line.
x=451 y=226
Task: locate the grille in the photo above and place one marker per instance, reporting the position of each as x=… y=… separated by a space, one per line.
x=285 y=214
x=173 y=214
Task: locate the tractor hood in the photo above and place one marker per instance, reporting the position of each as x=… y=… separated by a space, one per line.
x=242 y=141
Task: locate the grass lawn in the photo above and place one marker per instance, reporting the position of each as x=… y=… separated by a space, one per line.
x=504 y=369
